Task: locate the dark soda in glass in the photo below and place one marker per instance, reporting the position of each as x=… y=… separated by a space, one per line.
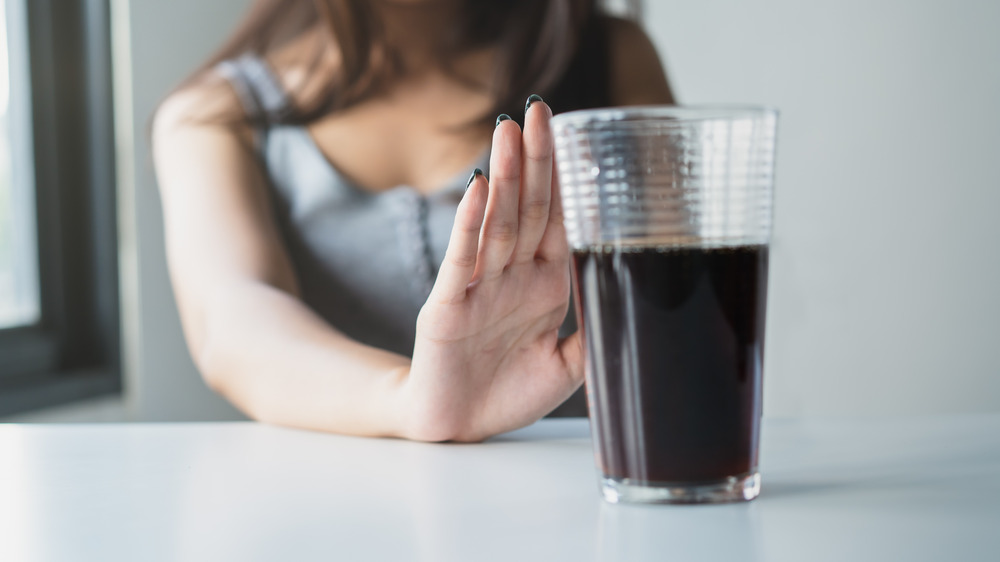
x=675 y=343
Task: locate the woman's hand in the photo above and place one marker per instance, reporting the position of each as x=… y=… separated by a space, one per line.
x=487 y=357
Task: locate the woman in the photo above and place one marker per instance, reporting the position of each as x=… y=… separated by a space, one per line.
x=332 y=270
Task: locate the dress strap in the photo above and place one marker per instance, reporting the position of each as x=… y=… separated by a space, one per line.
x=259 y=90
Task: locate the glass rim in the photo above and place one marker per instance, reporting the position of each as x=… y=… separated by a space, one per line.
x=681 y=114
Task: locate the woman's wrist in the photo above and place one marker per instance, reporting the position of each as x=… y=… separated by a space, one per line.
x=421 y=417
x=399 y=405
x=410 y=416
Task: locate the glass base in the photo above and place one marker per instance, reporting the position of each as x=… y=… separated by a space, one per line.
x=733 y=489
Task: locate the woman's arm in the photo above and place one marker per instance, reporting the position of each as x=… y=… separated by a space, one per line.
x=251 y=337
x=487 y=357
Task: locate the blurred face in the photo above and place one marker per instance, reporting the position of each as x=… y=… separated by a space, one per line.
x=420 y=21
x=415 y=3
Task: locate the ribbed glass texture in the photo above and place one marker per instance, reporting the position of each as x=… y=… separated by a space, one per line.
x=666 y=176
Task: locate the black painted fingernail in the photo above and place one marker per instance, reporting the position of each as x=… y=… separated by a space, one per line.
x=532 y=99
x=476 y=172
x=501 y=118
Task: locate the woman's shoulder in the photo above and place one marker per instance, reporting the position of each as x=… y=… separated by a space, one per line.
x=198 y=132
x=206 y=101
x=636 y=71
x=213 y=97
x=200 y=120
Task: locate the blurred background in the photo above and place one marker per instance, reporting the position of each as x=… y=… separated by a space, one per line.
x=885 y=275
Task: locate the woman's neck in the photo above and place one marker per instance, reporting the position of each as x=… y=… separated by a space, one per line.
x=416 y=29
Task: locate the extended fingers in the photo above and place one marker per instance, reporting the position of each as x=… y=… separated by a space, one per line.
x=500 y=226
x=460 y=259
x=553 y=246
x=536 y=179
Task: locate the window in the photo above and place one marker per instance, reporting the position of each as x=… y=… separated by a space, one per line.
x=18 y=250
x=58 y=252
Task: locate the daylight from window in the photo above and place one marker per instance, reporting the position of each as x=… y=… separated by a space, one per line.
x=18 y=280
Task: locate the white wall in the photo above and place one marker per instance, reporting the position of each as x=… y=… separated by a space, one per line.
x=884 y=275
x=885 y=272
x=168 y=40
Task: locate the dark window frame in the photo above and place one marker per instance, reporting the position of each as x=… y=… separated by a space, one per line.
x=72 y=353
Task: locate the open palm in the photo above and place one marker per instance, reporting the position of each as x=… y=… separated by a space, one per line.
x=487 y=356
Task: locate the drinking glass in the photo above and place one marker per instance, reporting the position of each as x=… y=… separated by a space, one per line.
x=668 y=216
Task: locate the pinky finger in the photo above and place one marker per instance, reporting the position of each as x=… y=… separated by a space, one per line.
x=460 y=259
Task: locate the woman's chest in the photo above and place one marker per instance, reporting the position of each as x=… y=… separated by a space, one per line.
x=383 y=144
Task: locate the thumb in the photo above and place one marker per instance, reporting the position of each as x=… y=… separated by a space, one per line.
x=573 y=355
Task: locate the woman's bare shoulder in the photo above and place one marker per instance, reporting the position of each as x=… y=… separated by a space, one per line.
x=207 y=104
x=201 y=138
x=209 y=100
x=637 y=73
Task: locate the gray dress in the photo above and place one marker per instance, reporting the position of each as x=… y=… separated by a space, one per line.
x=365 y=261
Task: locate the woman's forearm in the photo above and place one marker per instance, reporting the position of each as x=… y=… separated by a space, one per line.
x=280 y=363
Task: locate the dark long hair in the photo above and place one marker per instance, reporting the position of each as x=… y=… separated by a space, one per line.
x=557 y=48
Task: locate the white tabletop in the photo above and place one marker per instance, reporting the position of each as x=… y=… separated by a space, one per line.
x=887 y=489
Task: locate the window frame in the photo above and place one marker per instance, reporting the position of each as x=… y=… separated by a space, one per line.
x=73 y=351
